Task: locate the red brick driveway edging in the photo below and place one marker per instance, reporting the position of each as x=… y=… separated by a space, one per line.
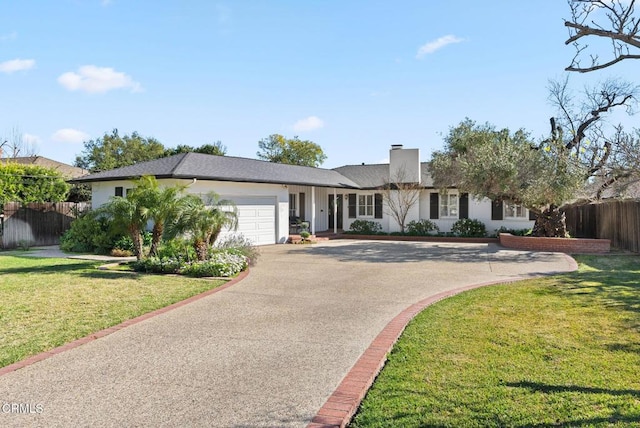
x=107 y=331
x=342 y=405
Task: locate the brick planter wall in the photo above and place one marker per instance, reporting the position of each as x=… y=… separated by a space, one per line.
x=562 y=245
x=418 y=238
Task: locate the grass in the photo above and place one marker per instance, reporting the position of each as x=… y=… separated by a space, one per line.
x=45 y=303
x=557 y=351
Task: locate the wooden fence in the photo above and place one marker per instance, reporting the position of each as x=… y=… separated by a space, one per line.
x=36 y=224
x=618 y=221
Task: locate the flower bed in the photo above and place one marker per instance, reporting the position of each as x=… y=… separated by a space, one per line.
x=562 y=245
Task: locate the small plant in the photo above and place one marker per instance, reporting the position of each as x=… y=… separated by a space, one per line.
x=24 y=245
x=365 y=227
x=422 y=228
x=469 y=228
x=515 y=232
x=223 y=264
x=239 y=244
x=117 y=252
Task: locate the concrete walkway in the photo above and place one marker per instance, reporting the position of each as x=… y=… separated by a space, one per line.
x=267 y=351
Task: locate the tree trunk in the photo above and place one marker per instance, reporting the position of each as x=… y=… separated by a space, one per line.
x=201 y=248
x=137 y=242
x=550 y=223
x=156 y=237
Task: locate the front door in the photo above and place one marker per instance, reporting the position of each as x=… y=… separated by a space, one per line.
x=339 y=218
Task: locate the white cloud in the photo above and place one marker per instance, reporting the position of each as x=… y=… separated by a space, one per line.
x=69 y=135
x=92 y=79
x=16 y=65
x=308 y=124
x=439 y=43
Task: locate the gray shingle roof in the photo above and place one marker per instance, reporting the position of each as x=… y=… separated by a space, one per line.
x=374 y=176
x=225 y=168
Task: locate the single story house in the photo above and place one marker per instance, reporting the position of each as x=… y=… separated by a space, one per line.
x=268 y=195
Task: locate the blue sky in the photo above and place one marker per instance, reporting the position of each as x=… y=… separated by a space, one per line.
x=353 y=76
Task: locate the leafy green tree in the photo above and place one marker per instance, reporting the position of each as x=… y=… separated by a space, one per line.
x=501 y=165
x=293 y=151
x=115 y=151
x=129 y=213
x=202 y=221
x=216 y=148
x=158 y=204
x=31 y=183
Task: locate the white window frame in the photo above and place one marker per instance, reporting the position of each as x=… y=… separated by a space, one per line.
x=510 y=208
x=446 y=209
x=367 y=207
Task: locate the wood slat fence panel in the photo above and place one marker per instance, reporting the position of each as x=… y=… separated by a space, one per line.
x=618 y=221
x=37 y=224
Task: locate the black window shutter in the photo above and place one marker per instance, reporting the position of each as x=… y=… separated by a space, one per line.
x=464 y=205
x=119 y=191
x=496 y=210
x=352 y=205
x=532 y=215
x=434 y=202
x=378 y=205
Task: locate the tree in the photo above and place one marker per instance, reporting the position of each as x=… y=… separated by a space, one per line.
x=158 y=204
x=504 y=166
x=614 y=21
x=279 y=149
x=14 y=145
x=202 y=221
x=129 y=213
x=113 y=151
x=582 y=126
x=216 y=148
x=31 y=183
x=400 y=195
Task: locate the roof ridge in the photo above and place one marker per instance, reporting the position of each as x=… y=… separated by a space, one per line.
x=180 y=162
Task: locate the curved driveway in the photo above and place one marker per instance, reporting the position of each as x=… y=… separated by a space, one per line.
x=267 y=351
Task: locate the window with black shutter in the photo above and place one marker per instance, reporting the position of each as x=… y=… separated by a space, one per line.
x=496 y=210
x=119 y=191
x=352 y=205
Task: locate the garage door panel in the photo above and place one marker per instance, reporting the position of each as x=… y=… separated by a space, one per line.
x=256 y=219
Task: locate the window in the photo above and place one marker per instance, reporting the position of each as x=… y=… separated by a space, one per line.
x=293 y=207
x=119 y=191
x=512 y=210
x=365 y=206
x=449 y=206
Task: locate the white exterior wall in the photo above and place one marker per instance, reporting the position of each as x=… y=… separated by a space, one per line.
x=102 y=191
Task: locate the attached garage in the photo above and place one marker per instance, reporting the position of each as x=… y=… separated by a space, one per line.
x=256 y=218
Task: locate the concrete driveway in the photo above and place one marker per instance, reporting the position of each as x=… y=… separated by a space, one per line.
x=267 y=351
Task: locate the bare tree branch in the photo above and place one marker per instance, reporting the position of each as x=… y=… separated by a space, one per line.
x=608 y=19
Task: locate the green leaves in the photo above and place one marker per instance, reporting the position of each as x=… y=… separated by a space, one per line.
x=31 y=183
x=279 y=149
x=501 y=165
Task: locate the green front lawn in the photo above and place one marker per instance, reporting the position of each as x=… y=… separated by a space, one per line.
x=558 y=351
x=45 y=303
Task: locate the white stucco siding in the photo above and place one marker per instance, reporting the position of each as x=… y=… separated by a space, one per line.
x=481 y=210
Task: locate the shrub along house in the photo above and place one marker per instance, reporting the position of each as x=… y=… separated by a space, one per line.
x=269 y=195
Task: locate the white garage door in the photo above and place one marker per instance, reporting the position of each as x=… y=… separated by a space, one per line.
x=256 y=219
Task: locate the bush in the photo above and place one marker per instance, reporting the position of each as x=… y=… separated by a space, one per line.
x=223 y=264
x=180 y=249
x=422 y=228
x=365 y=227
x=89 y=233
x=469 y=228
x=515 y=232
x=158 y=265
x=238 y=244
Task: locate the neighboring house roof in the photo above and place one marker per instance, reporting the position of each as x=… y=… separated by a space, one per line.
x=225 y=168
x=66 y=170
x=377 y=175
